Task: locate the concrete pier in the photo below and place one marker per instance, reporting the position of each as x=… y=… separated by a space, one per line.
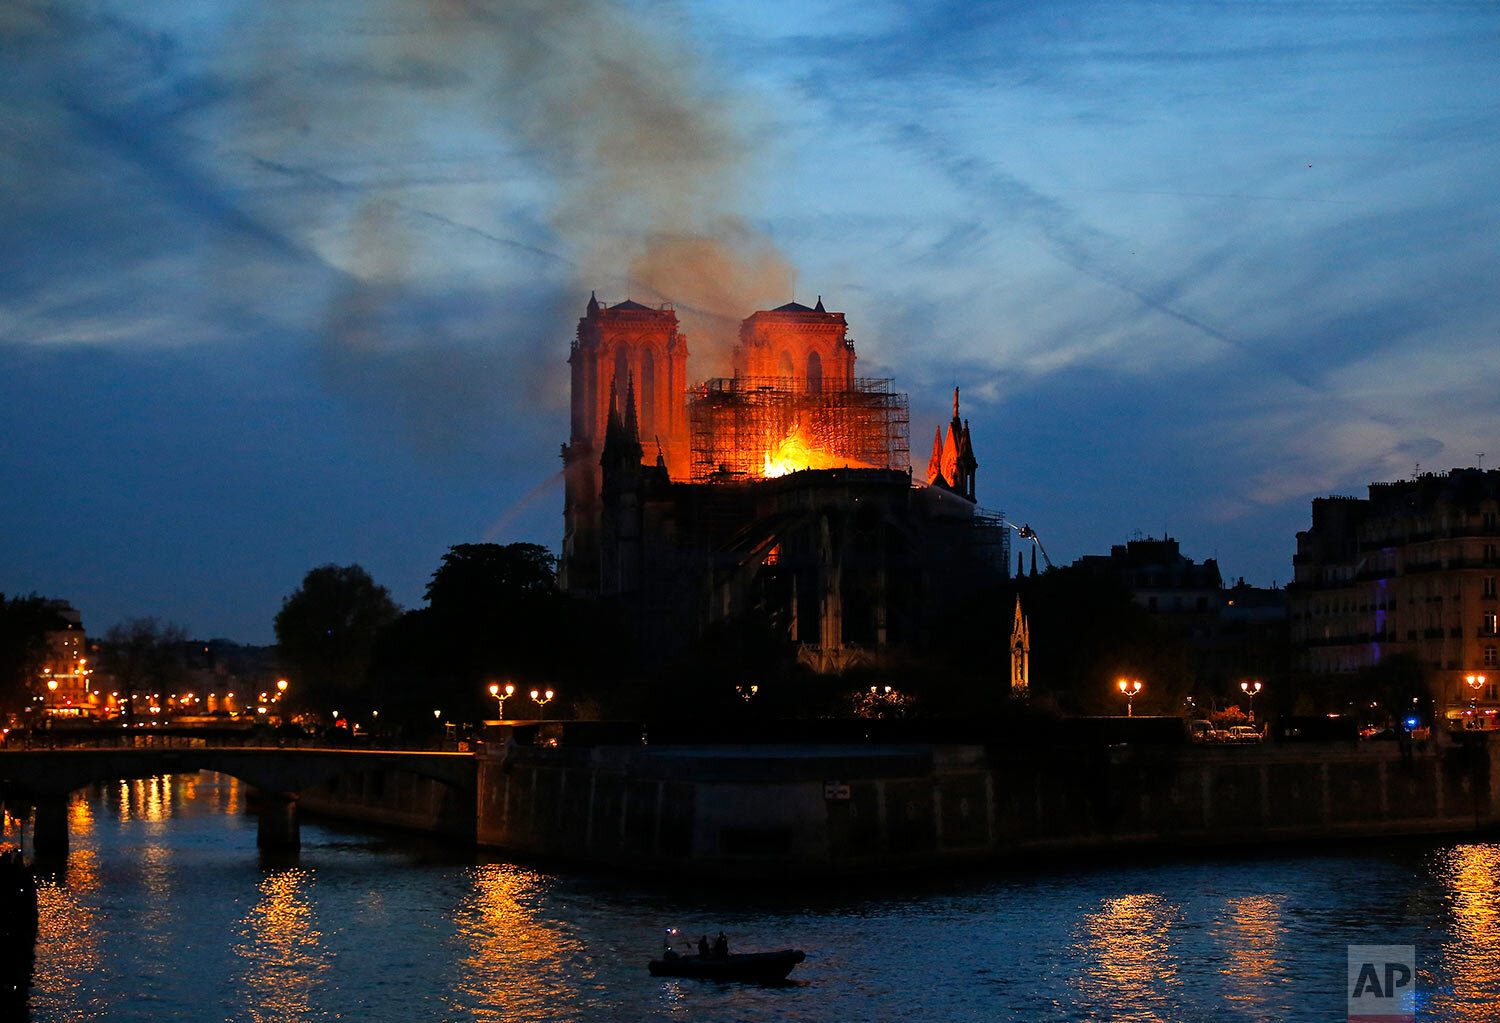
x=278 y=828
x=49 y=836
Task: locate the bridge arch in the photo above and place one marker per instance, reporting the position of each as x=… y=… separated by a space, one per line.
x=280 y=777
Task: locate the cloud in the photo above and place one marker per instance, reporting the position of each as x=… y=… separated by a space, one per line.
x=389 y=174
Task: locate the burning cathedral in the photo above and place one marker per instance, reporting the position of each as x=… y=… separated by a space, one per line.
x=784 y=491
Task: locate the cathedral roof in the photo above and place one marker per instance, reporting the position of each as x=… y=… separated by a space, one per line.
x=632 y=305
x=792 y=307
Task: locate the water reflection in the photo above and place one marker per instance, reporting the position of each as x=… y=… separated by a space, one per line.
x=67 y=943
x=282 y=949
x=1471 y=955
x=163 y=914
x=80 y=817
x=146 y=799
x=1129 y=963
x=1248 y=933
x=520 y=964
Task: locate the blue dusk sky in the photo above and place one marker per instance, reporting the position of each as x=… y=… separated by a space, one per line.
x=287 y=283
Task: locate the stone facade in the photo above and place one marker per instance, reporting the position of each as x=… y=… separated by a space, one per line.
x=1412 y=569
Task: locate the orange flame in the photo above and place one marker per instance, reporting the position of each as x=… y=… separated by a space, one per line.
x=793 y=453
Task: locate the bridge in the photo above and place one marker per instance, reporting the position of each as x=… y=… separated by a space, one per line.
x=279 y=774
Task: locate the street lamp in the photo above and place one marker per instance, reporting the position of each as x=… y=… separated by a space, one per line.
x=540 y=697
x=746 y=692
x=1250 y=689
x=1129 y=687
x=1476 y=683
x=500 y=700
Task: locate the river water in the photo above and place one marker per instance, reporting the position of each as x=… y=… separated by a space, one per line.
x=165 y=911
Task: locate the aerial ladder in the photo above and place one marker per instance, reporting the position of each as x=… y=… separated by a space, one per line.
x=1025 y=532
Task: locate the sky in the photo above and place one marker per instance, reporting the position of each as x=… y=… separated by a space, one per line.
x=287 y=284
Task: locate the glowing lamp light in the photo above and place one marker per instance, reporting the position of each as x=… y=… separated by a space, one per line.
x=500 y=696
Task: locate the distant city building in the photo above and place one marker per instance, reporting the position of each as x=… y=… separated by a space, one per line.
x=1162 y=580
x=66 y=672
x=223 y=677
x=1411 y=569
x=1232 y=634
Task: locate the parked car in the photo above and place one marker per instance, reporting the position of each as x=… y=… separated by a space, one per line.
x=1244 y=734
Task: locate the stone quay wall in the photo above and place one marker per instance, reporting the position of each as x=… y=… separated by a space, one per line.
x=758 y=811
x=761 y=810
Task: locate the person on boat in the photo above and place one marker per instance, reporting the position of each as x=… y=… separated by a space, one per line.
x=721 y=947
x=703 y=946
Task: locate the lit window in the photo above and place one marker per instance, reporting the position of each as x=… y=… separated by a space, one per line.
x=1490 y=622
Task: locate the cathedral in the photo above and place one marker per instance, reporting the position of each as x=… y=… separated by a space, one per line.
x=784 y=491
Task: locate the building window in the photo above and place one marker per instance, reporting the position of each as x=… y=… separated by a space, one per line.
x=1487 y=626
x=1489 y=586
x=622 y=376
x=1491 y=659
x=646 y=400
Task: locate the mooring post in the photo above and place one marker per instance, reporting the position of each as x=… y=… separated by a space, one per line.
x=49 y=832
x=278 y=827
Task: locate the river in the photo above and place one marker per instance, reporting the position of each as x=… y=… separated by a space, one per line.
x=165 y=911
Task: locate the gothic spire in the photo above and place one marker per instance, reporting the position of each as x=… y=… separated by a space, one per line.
x=935 y=463
x=632 y=425
x=612 y=423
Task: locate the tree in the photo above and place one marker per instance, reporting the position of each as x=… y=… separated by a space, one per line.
x=142 y=655
x=494 y=614
x=326 y=629
x=24 y=624
x=486 y=575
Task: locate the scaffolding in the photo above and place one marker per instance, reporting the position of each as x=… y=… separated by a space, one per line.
x=992 y=541
x=736 y=421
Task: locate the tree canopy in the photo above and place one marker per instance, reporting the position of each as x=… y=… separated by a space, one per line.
x=326 y=630
x=488 y=575
x=143 y=655
x=24 y=624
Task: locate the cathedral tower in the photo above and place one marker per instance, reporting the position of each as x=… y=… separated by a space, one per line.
x=793 y=342
x=623 y=350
